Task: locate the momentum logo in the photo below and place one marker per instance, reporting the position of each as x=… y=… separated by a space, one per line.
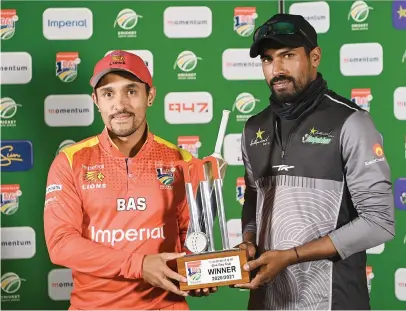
x=17 y=243
x=187 y=22
x=316 y=13
x=361 y=59
x=237 y=65
x=16 y=68
x=399 y=103
x=60 y=284
x=68 y=110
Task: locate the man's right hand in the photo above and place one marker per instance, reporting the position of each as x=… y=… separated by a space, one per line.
x=157 y=273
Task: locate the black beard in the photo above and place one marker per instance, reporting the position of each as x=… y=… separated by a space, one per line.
x=285 y=97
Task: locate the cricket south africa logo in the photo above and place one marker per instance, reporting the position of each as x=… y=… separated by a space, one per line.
x=187 y=63
x=359 y=12
x=8 y=110
x=10 y=283
x=127 y=19
x=245 y=104
x=316 y=137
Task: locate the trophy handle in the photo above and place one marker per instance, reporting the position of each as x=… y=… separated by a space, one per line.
x=218 y=190
x=191 y=201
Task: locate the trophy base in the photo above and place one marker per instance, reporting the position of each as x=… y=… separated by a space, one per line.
x=213 y=269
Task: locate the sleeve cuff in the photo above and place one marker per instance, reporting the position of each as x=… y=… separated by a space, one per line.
x=337 y=245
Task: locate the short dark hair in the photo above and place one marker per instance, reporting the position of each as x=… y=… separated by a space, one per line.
x=135 y=78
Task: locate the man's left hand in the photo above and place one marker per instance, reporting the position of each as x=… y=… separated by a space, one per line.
x=270 y=264
x=202 y=292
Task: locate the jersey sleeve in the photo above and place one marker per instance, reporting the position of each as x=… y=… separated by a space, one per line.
x=367 y=175
x=63 y=231
x=250 y=196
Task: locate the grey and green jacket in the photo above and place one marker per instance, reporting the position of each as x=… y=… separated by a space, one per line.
x=330 y=177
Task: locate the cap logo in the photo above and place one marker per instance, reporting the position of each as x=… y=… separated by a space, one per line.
x=117 y=59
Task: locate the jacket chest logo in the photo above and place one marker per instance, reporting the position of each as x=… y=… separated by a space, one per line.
x=93 y=177
x=314 y=136
x=261 y=138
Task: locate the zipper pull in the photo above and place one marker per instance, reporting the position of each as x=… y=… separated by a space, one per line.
x=283 y=154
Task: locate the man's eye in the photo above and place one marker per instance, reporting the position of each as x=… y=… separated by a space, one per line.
x=132 y=92
x=290 y=55
x=107 y=94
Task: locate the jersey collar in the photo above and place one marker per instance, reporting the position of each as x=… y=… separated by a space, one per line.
x=113 y=150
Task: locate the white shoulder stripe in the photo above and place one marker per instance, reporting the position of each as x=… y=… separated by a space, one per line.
x=337 y=101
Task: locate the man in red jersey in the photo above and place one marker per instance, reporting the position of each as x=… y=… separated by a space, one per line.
x=116 y=212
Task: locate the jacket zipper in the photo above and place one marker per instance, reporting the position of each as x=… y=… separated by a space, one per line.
x=291 y=131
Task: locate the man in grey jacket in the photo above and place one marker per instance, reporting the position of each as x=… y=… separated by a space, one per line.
x=318 y=189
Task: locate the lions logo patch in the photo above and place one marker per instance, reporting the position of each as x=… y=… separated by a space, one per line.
x=92 y=176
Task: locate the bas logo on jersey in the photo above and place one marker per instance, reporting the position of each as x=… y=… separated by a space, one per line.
x=165 y=177
x=132 y=204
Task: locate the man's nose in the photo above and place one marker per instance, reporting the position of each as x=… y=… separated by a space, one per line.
x=278 y=68
x=122 y=102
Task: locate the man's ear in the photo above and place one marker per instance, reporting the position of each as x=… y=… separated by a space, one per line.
x=94 y=98
x=151 y=96
x=315 y=57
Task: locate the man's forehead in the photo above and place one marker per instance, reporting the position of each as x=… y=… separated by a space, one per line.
x=117 y=80
x=276 y=51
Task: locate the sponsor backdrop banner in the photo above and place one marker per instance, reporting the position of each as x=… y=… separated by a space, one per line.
x=198 y=55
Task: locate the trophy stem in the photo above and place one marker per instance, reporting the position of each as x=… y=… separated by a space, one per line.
x=221 y=213
x=208 y=213
x=192 y=208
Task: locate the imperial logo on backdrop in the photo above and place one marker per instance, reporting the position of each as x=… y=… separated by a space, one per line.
x=67 y=23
